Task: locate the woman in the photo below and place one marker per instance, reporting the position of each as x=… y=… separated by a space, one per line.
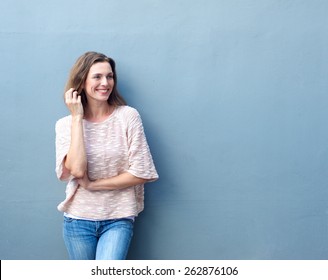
x=102 y=151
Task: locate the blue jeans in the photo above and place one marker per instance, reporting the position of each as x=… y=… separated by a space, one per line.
x=97 y=240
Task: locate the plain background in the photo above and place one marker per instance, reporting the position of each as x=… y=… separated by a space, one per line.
x=233 y=95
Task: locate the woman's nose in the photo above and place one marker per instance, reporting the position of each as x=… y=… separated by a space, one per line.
x=104 y=81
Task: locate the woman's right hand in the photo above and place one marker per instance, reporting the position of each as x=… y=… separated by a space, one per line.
x=73 y=103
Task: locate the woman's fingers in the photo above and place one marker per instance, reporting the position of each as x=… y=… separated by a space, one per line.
x=74 y=94
x=70 y=93
x=73 y=102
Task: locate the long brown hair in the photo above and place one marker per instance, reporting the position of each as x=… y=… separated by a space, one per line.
x=79 y=73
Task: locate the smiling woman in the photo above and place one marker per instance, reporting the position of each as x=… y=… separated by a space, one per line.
x=102 y=151
x=100 y=82
x=81 y=71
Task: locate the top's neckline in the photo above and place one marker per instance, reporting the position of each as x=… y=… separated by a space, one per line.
x=103 y=121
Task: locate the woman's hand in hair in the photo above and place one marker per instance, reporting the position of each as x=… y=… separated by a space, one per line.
x=73 y=103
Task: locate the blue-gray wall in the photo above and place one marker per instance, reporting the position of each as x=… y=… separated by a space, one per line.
x=234 y=98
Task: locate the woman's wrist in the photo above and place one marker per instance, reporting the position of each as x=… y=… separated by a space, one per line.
x=101 y=184
x=92 y=186
x=77 y=118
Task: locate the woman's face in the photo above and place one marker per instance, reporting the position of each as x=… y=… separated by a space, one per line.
x=100 y=82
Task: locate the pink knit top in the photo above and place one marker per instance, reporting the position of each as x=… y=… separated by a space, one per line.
x=113 y=146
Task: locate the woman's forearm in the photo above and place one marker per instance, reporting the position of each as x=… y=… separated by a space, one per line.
x=76 y=160
x=120 y=181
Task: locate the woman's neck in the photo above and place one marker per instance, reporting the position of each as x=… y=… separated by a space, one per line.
x=99 y=112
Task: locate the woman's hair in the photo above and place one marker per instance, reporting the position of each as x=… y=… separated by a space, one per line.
x=79 y=73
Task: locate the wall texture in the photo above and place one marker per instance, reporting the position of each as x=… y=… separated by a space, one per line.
x=233 y=95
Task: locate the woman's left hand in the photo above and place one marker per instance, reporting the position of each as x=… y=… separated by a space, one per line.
x=85 y=182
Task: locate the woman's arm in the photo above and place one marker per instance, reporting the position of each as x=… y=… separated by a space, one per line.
x=75 y=161
x=120 y=181
x=141 y=166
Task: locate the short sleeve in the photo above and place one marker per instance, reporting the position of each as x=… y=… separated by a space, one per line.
x=140 y=159
x=63 y=138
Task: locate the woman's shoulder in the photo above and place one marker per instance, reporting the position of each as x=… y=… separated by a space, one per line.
x=64 y=121
x=126 y=111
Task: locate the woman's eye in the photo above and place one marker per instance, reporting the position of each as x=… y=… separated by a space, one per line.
x=110 y=77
